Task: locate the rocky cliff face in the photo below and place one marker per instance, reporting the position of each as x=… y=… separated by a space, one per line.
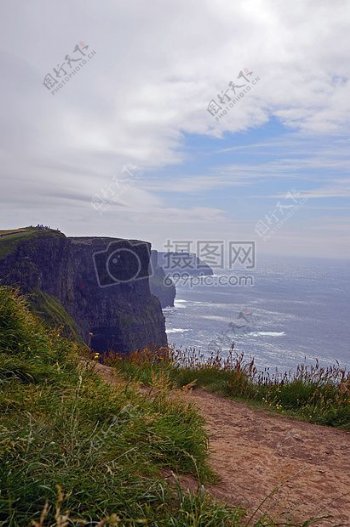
x=101 y=282
x=161 y=285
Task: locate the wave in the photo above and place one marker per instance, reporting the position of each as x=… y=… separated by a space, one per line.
x=180 y=303
x=216 y=317
x=176 y=330
x=267 y=334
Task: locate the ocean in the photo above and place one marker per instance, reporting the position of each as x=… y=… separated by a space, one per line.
x=296 y=311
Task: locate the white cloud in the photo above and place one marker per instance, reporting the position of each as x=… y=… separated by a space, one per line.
x=156 y=67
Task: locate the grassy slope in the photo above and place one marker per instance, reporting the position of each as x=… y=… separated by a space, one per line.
x=71 y=442
x=52 y=312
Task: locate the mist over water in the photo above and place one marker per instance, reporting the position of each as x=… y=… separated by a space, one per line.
x=297 y=310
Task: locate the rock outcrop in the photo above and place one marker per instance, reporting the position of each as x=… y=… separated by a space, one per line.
x=102 y=283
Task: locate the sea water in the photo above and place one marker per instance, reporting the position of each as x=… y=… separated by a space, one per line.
x=297 y=310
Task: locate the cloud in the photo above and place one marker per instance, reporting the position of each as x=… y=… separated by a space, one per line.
x=339 y=188
x=157 y=66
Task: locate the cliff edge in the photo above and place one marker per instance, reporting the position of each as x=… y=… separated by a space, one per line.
x=102 y=284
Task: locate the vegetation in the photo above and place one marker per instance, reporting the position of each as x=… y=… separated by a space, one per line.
x=75 y=451
x=9 y=239
x=316 y=394
x=52 y=312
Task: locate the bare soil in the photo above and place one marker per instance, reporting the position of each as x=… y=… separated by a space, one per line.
x=290 y=469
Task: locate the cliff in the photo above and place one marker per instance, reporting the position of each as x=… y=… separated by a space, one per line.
x=102 y=284
x=160 y=284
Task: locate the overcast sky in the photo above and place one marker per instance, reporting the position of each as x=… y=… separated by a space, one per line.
x=126 y=146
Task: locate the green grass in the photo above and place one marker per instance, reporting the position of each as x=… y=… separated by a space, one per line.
x=75 y=451
x=312 y=393
x=7 y=232
x=52 y=312
x=11 y=238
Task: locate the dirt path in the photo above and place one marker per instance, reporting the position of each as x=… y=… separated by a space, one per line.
x=254 y=453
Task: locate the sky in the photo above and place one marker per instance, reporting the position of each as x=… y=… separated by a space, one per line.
x=179 y=120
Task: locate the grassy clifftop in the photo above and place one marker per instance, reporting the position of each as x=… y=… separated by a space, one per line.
x=9 y=239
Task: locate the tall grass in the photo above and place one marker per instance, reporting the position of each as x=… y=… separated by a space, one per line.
x=74 y=451
x=312 y=392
